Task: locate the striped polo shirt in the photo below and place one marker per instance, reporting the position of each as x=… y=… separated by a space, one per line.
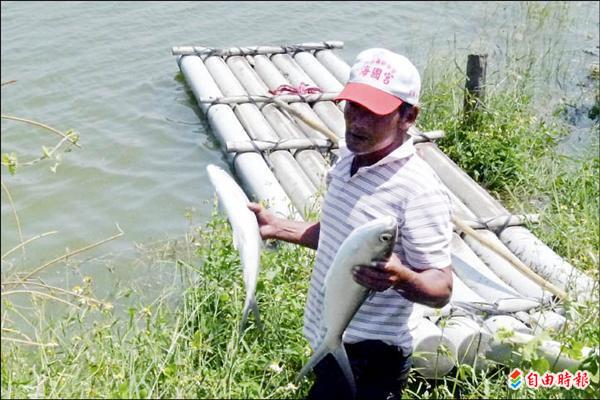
x=401 y=185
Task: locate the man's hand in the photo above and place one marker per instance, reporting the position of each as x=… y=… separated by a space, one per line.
x=273 y=227
x=266 y=220
x=382 y=275
x=432 y=287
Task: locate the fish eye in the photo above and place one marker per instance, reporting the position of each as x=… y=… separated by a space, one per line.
x=386 y=237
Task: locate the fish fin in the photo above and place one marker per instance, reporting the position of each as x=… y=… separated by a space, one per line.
x=254 y=307
x=244 y=319
x=340 y=356
x=344 y=363
x=250 y=305
x=317 y=356
x=257 y=320
x=245 y=314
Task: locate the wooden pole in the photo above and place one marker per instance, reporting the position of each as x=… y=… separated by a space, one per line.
x=253 y=50
x=285 y=144
x=461 y=225
x=329 y=134
x=287 y=98
x=475 y=84
x=510 y=257
x=245 y=146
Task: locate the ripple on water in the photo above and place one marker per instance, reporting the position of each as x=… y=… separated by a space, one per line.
x=105 y=70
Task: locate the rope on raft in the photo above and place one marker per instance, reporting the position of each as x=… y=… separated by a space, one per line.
x=254 y=50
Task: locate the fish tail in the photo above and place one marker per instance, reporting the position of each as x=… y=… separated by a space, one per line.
x=317 y=356
x=254 y=308
x=250 y=305
x=340 y=356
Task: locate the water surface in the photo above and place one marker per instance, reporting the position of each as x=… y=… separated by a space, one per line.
x=105 y=70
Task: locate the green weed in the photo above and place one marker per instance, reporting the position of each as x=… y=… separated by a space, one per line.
x=194 y=351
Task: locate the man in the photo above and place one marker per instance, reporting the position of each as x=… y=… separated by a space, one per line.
x=378 y=174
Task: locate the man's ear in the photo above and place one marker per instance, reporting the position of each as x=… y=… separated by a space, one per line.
x=409 y=118
x=412 y=114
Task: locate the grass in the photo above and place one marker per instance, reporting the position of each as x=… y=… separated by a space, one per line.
x=512 y=150
x=510 y=145
x=512 y=153
x=192 y=349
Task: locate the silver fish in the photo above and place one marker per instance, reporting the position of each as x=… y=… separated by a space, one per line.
x=246 y=234
x=343 y=295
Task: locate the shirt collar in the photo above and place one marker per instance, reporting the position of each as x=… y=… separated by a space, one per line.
x=407 y=149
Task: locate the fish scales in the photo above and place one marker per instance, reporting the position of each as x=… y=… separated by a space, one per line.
x=246 y=234
x=343 y=296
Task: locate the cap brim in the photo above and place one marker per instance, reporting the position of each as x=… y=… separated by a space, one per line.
x=375 y=100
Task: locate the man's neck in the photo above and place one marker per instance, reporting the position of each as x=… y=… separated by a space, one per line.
x=364 y=160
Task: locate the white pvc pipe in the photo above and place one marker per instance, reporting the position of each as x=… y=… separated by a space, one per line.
x=469 y=339
x=315 y=167
x=252 y=50
x=497 y=322
x=498 y=264
x=286 y=129
x=317 y=72
x=458 y=337
x=545 y=321
x=339 y=68
x=505 y=270
x=251 y=168
x=478 y=276
x=433 y=353
x=312 y=162
x=532 y=251
x=293 y=180
x=461 y=184
x=334 y=64
x=501 y=350
x=259 y=99
x=543 y=260
x=329 y=113
x=274 y=78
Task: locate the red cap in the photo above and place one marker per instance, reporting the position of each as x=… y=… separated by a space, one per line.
x=375 y=100
x=381 y=80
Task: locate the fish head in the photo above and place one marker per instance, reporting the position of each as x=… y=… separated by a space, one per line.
x=213 y=171
x=379 y=236
x=215 y=174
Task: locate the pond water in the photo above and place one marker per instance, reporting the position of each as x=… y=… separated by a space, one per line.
x=105 y=70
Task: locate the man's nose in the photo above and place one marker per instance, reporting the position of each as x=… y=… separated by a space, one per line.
x=357 y=119
x=355 y=114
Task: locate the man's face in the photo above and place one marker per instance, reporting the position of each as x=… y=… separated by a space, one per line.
x=367 y=132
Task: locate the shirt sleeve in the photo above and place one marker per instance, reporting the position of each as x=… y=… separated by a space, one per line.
x=427 y=230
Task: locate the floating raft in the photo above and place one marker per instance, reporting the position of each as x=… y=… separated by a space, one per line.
x=259 y=101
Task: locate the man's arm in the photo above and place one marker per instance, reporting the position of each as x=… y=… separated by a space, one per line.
x=432 y=287
x=426 y=234
x=297 y=232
